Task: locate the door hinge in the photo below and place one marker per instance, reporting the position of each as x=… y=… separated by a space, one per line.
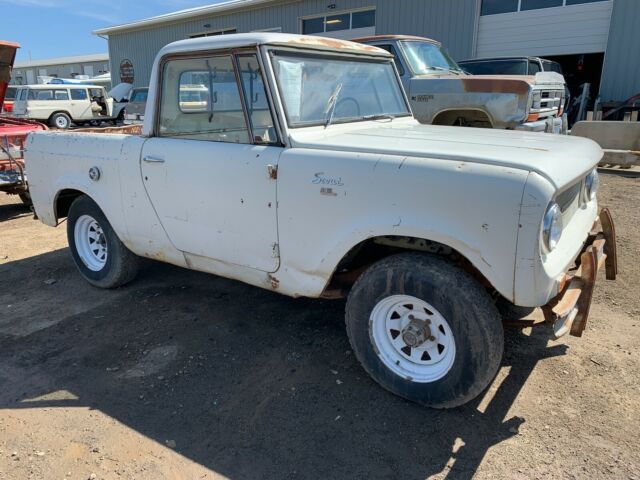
x=276 y=250
x=273 y=171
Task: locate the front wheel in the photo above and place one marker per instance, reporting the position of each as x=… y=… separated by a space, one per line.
x=101 y=257
x=425 y=330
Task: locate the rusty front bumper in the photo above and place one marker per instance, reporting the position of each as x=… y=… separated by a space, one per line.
x=569 y=310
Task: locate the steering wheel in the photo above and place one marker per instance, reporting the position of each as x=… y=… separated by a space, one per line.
x=350 y=100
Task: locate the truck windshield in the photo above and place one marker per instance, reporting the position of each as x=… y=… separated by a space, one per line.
x=308 y=86
x=427 y=58
x=497 y=67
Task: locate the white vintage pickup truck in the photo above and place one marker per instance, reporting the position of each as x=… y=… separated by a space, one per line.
x=299 y=168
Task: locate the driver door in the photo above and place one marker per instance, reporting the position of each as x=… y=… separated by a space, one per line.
x=206 y=170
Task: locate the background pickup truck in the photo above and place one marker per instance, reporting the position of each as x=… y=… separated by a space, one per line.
x=299 y=168
x=441 y=93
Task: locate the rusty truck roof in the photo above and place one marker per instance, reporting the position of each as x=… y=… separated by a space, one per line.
x=239 y=40
x=375 y=38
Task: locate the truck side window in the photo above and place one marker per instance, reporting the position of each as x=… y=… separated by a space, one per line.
x=78 y=94
x=201 y=101
x=391 y=49
x=534 y=67
x=255 y=97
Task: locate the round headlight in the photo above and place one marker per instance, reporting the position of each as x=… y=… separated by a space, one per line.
x=552 y=226
x=591 y=184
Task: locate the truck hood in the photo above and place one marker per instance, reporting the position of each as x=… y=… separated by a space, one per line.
x=560 y=158
x=7 y=56
x=500 y=83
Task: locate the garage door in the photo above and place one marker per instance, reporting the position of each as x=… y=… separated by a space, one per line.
x=573 y=27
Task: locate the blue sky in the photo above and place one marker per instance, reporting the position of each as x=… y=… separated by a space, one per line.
x=59 y=28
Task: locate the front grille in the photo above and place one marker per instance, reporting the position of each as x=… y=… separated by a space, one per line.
x=569 y=201
x=566 y=198
x=548 y=103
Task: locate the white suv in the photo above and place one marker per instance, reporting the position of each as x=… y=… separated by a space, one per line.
x=62 y=105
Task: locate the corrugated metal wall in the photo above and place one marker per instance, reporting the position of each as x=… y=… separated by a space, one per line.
x=621 y=72
x=450 y=21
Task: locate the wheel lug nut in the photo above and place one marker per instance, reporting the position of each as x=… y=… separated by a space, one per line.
x=411 y=317
x=432 y=338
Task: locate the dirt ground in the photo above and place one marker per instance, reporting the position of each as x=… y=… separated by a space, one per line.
x=183 y=375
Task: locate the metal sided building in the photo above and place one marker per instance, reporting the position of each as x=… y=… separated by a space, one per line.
x=596 y=41
x=27 y=72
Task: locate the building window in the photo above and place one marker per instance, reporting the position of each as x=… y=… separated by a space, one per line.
x=363 y=19
x=493 y=7
x=537 y=4
x=577 y=2
x=313 y=25
x=337 y=22
x=227 y=31
x=342 y=21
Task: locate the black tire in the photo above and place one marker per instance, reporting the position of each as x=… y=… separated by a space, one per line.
x=25 y=198
x=60 y=120
x=459 y=298
x=510 y=312
x=121 y=264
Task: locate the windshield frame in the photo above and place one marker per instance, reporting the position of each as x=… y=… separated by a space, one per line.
x=430 y=71
x=308 y=53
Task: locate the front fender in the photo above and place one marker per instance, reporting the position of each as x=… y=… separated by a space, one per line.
x=471 y=208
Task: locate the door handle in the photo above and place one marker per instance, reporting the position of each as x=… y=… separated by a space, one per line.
x=153 y=159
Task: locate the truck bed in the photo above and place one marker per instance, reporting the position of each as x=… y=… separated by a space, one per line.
x=122 y=130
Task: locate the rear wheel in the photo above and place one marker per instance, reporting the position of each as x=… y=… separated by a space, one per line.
x=101 y=257
x=425 y=330
x=60 y=120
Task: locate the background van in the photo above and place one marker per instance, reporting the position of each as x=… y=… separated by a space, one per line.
x=62 y=105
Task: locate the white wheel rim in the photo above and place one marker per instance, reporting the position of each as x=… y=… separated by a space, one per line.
x=424 y=363
x=61 y=122
x=91 y=243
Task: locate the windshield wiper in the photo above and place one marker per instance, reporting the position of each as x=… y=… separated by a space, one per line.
x=331 y=105
x=444 y=69
x=379 y=116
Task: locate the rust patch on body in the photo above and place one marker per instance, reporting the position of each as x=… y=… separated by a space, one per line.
x=334 y=44
x=275 y=283
x=497 y=85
